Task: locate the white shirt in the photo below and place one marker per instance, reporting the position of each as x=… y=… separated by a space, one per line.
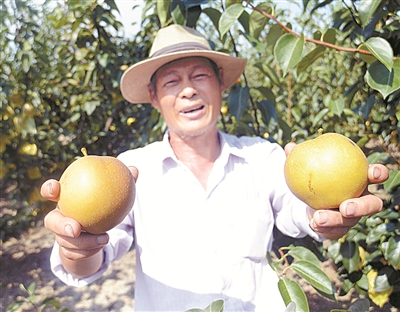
x=193 y=245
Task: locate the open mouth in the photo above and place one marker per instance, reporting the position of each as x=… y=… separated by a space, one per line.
x=193 y=109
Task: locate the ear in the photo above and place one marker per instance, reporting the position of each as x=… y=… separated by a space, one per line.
x=221 y=75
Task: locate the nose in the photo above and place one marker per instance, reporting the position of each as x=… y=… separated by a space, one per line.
x=188 y=89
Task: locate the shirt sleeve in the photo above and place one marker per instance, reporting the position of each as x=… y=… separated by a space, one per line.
x=291 y=214
x=121 y=239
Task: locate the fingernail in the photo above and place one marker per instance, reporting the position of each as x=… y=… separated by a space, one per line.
x=351 y=209
x=322 y=217
x=102 y=239
x=50 y=188
x=68 y=230
x=376 y=173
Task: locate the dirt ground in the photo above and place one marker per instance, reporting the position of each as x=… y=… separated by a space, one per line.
x=27 y=260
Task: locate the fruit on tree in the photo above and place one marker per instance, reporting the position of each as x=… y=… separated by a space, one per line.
x=327 y=170
x=97 y=191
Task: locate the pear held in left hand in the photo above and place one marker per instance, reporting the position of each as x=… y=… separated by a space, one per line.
x=327 y=170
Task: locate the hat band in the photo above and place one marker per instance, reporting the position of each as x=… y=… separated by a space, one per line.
x=179 y=47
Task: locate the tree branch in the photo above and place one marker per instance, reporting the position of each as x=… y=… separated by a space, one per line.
x=319 y=42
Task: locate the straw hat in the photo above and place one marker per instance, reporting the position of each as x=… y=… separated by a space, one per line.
x=172 y=43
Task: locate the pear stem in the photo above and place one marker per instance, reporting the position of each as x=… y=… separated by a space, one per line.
x=84 y=151
x=320 y=131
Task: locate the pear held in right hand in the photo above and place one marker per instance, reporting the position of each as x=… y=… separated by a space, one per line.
x=97 y=191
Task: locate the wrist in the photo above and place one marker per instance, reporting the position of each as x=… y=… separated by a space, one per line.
x=82 y=267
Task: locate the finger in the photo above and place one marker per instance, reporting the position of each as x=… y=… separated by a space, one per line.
x=135 y=172
x=74 y=255
x=377 y=173
x=331 y=218
x=331 y=232
x=85 y=241
x=51 y=190
x=84 y=246
x=289 y=147
x=366 y=205
x=56 y=222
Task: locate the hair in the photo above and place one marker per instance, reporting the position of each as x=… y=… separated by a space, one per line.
x=152 y=84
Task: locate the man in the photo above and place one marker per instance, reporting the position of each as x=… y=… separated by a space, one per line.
x=206 y=201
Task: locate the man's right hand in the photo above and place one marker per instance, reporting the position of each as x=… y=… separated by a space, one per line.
x=79 y=251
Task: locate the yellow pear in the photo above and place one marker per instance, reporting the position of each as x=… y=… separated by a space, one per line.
x=327 y=170
x=97 y=191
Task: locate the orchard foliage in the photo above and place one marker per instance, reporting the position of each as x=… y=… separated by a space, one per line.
x=334 y=66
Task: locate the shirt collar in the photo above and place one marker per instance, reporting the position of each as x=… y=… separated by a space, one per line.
x=228 y=143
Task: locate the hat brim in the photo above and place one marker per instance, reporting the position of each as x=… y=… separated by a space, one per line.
x=135 y=80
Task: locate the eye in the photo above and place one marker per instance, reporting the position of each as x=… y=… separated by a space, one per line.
x=169 y=83
x=201 y=75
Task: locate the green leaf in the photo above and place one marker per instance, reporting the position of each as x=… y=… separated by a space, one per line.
x=228 y=3
x=334 y=251
x=366 y=57
x=382 y=282
x=378 y=232
x=267 y=93
x=112 y=5
x=366 y=108
x=27 y=58
x=366 y=9
x=194 y=3
x=292 y=292
x=373 y=221
x=305 y=3
x=351 y=255
x=237 y=100
x=31 y=288
x=351 y=92
x=80 y=54
x=319 y=116
x=257 y=20
x=347 y=286
x=215 y=306
x=270 y=72
x=329 y=36
x=286 y=131
x=229 y=17
x=15 y=305
x=337 y=106
x=50 y=302
x=103 y=59
x=363 y=282
x=288 y=51
x=244 y=20
x=214 y=15
x=391 y=251
x=302 y=253
x=310 y=58
x=268 y=113
x=393 y=181
x=274 y=33
x=90 y=106
x=381 y=49
x=381 y=79
x=178 y=16
x=360 y=305
x=163 y=11
x=313 y=275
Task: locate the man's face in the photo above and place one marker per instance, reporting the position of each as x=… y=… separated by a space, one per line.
x=188 y=95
